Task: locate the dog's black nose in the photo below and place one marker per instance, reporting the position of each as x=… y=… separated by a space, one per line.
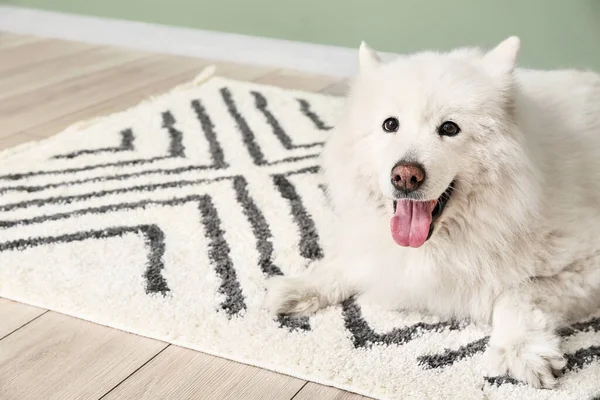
x=408 y=177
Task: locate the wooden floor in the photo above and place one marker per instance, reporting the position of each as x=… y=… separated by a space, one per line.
x=46 y=85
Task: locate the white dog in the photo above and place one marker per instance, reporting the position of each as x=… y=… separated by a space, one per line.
x=466 y=188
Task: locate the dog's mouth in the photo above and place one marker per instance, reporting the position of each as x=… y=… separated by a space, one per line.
x=413 y=221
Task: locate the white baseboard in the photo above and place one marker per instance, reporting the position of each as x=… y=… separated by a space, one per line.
x=306 y=57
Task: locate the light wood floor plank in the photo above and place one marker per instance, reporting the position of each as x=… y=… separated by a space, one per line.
x=179 y=373
x=313 y=391
x=119 y=103
x=10 y=40
x=13 y=315
x=239 y=71
x=35 y=52
x=22 y=112
x=297 y=81
x=36 y=76
x=59 y=357
x=134 y=97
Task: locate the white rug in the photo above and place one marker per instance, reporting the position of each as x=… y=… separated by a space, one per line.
x=165 y=220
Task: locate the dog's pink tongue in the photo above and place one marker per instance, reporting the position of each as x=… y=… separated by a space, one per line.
x=410 y=224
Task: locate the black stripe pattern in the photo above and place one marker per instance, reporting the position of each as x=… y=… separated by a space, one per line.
x=249 y=137
x=364 y=336
x=152 y=234
x=284 y=139
x=575 y=360
x=127 y=139
x=309 y=237
x=307 y=110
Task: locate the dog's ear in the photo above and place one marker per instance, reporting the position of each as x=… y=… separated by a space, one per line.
x=367 y=58
x=501 y=60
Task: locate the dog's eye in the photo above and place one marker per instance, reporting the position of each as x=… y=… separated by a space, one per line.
x=391 y=124
x=448 y=128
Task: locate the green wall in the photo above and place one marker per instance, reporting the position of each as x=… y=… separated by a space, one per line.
x=554 y=33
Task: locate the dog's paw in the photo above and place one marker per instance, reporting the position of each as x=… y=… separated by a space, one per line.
x=537 y=362
x=291 y=296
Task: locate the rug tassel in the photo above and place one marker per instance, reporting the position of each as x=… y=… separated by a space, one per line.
x=205 y=75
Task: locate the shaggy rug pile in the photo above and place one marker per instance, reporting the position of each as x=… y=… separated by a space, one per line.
x=165 y=220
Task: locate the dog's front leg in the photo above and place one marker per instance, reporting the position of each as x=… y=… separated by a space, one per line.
x=329 y=282
x=524 y=342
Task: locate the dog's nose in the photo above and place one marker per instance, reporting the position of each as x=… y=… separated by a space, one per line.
x=407 y=177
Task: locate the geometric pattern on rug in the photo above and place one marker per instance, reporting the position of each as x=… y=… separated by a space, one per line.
x=165 y=220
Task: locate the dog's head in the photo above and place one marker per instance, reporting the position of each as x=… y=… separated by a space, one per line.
x=428 y=128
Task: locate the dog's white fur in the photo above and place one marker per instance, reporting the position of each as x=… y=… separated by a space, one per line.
x=518 y=244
